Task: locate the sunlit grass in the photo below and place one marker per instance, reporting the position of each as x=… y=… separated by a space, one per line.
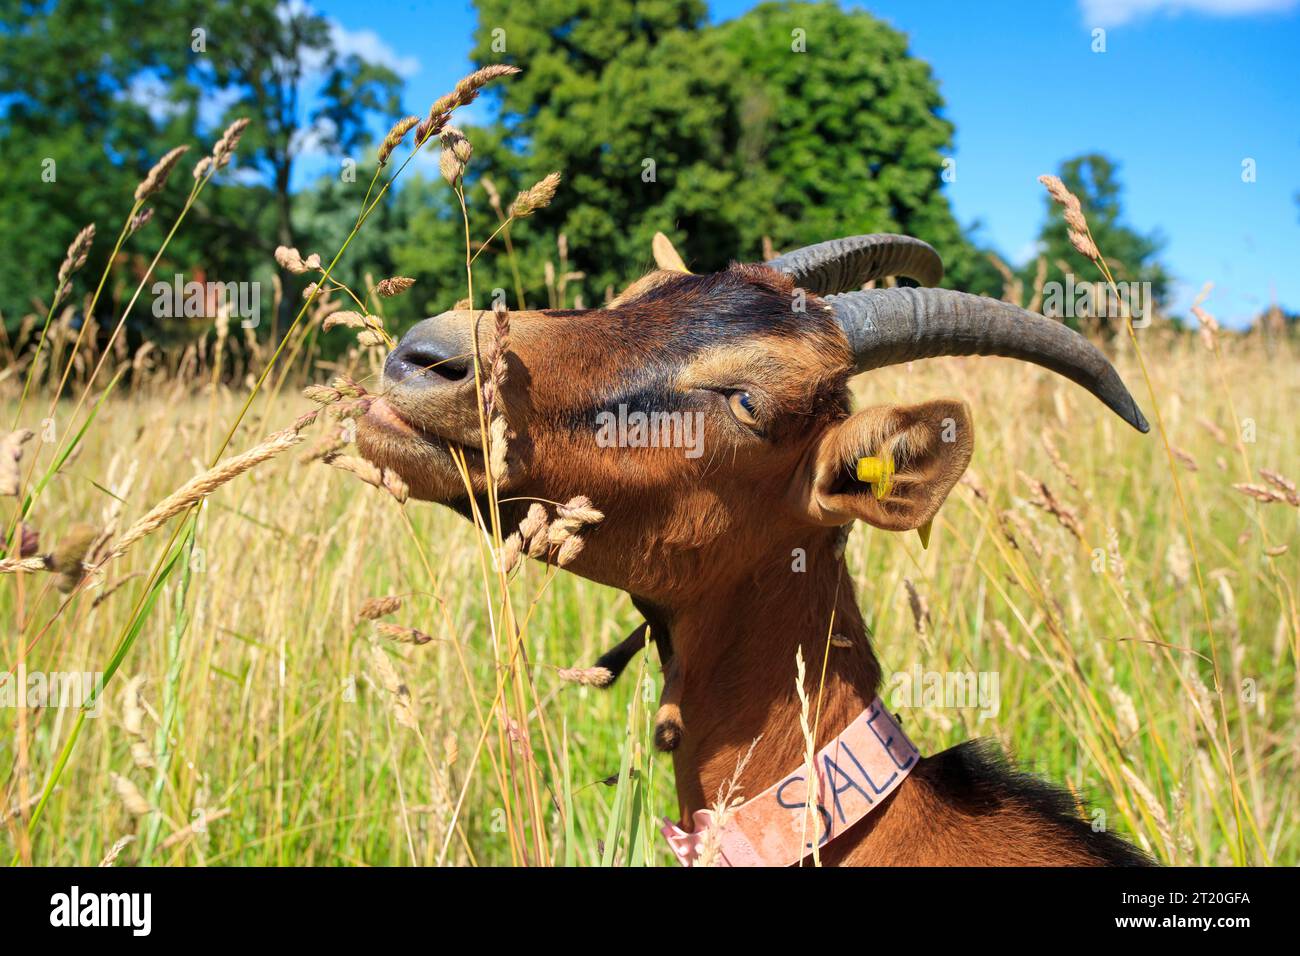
x=280 y=718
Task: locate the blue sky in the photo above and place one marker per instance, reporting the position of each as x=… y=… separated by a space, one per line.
x=1185 y=91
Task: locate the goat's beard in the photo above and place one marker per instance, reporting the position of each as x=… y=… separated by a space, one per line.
x=426 y=462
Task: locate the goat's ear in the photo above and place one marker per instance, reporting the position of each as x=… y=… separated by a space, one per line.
x=929 y=445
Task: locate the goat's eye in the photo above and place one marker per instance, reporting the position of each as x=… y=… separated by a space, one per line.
x=743 y=407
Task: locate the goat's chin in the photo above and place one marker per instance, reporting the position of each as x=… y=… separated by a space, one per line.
x=425 y=462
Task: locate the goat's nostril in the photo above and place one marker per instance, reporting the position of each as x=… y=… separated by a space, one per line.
x=434 y=353
x=422 y=360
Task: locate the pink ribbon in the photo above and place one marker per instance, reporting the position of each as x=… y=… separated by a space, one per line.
x=855 y=772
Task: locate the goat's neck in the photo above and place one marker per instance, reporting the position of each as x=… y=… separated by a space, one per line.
x=736 y=654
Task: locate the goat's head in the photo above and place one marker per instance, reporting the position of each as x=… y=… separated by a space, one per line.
x=745 y=373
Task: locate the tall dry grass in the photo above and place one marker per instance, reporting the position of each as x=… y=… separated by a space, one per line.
x=305 y=668
x=285 y=725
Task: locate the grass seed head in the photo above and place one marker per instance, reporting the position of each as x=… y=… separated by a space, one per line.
x=376 y=607
x=157 y=177
x=395 y=137
x=537 y=196
x=11 y=453
x=394 y=286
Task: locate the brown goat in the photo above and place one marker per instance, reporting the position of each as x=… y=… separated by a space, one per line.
x=760 y=356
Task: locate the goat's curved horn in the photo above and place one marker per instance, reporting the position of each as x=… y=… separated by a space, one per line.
x=891 y=326
x=841 y=265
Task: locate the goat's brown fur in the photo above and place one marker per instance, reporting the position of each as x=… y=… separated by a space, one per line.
x=705 y=545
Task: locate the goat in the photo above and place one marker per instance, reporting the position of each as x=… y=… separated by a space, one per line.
x=762 y=354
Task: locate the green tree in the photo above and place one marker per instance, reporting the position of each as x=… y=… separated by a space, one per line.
x=81 y=122
x=1131 y=255
x=795 y=123
x=844 y=129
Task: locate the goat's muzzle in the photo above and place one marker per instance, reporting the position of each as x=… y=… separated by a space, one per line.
x=428 y=407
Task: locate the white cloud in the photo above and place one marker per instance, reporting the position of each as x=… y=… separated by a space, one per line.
x=368 y=45
x=1113 y=13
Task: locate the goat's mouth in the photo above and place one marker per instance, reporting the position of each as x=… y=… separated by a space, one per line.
x=428 y=461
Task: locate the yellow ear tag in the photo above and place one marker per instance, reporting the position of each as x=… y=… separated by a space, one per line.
x=879 y=473
x=924 y=532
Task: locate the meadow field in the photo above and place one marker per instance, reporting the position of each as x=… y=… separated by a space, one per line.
x=254 y=718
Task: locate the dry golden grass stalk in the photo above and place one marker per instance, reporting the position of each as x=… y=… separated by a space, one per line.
x=367 y=471
x=111 y=589
x=1262 y=494
x=498 y=446
x=200 y=486
x=395 y=285
x=586 y=676
x=724 y=805
x=468 y=88
x=581 y=510
x=228 y=143
x=1217 y=433
x=1185 y=457
x=74 y=260
x=377 y=607
x=132 y=799
x=116 y=849
x=465 y=93
x=569 y=550
x=1023 y=530
x=371 y=338
x=497 y=366
x=395 y=137
x=1283 y=484
x=132 y=708
x=920 y=610
x=1074 y=218
x=186 y=832
x=1012 y=287
x=349 y=320
x=1154 y=807
x=1044 y=499
x=371 y=474
x=456 y=153
x=561 y=530
x=324 y=448
x=534 y=522
x=11 y=454
x=202 y=167
x=349 y=387
x=157 y=177
x=396 y=486
x=21 y=565
x=511 y=550
x=322 y=394
x=809 y=744
x=538 y=196
x=1004 y=636
x=494 y=197
x=139 y=221
x=291 y=260
x=402 y=634
x=1083 y=244
x=403 y=709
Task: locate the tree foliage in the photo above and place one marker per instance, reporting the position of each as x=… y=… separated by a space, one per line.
x=794 y=123
x=96 y=92
x=1131 y=255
